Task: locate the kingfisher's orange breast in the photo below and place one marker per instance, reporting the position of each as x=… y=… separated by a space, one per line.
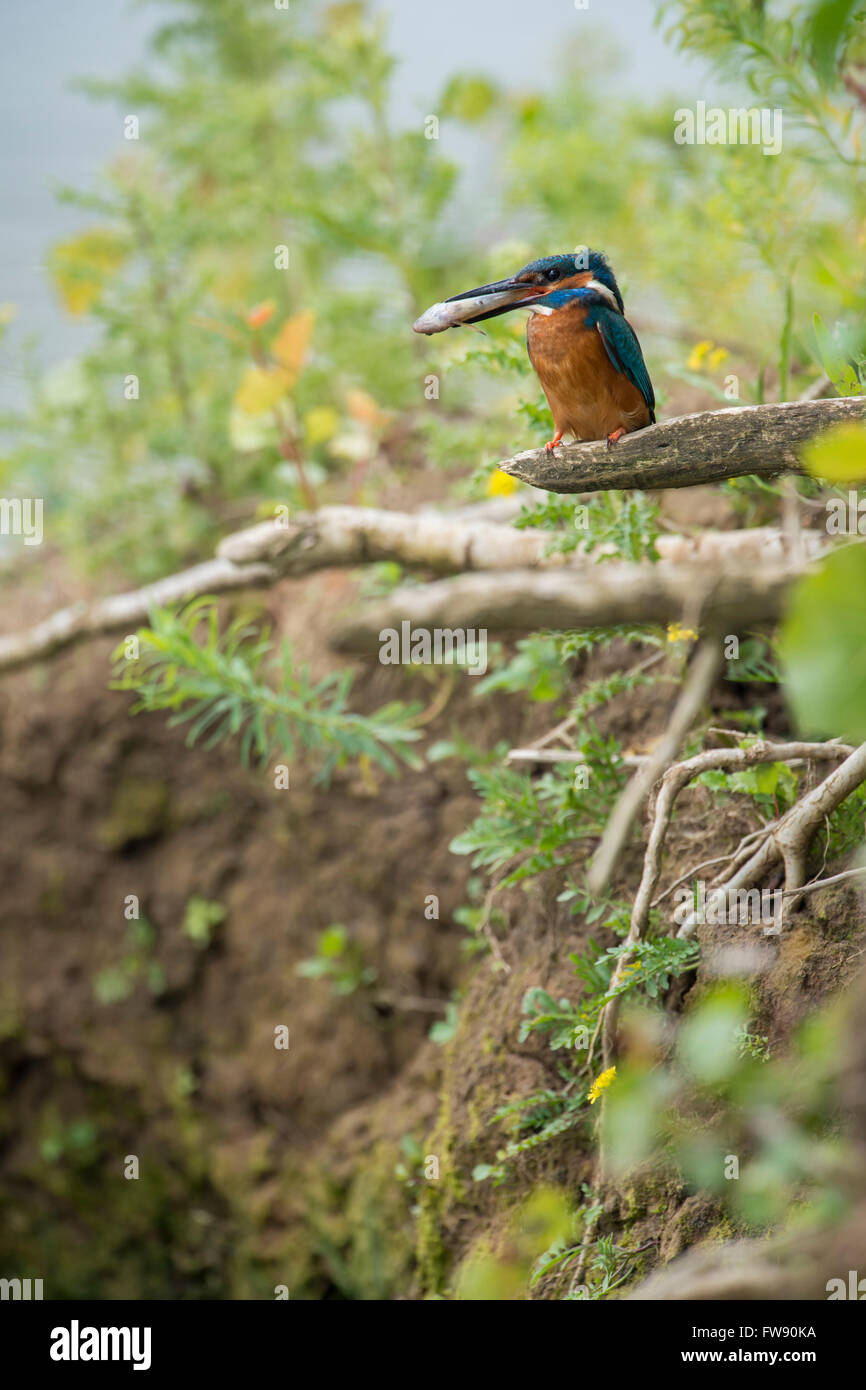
x=588 y=397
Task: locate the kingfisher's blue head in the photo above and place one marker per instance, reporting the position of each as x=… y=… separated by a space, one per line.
x=542 y=278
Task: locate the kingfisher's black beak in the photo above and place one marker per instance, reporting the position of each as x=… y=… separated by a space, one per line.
x=500 y=297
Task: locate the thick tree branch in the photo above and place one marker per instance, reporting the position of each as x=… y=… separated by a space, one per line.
x=520 y=601
x=706 y=448
x=349 y=536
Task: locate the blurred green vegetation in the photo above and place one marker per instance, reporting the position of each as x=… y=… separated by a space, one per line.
x=255 y=365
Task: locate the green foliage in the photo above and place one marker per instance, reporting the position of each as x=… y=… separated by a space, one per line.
x=535 y=1120
x=137 y=965
x=539 y=667
x=842 y=353
x=76 y=1143
x=772 y=786
x=724 y=1098
x=824 y=646
x=215 y=682
x=847 y=823
x=538 y=1118
x=599 y=692
x=609 y=1267
x=528 y=825
x=199 y=920
x=620 y=525
x=247 y=149
x=443 y=1030
x=339 y=960
x=755 y=1045
x=560 y=1020
x=536 y=1225
x=536 y=669
x=756 y=663
x=409 y=1170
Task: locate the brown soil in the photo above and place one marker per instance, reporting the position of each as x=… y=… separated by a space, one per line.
x=261 y=1167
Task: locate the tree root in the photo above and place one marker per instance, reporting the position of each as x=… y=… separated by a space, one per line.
x=787 y=840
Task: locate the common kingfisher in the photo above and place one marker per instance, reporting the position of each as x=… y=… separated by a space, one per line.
x=585 y=351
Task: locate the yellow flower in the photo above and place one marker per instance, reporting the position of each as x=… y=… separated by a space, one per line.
x=705 y=356
x=698 y=353
x=676 y=633
x=600 y=1084
x=500 y=484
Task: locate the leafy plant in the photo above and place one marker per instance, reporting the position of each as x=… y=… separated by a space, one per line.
x=772 y=786
x=117 y=982
x=199 y=920
x=215 y=683
x=340 y=960
x=618 y=524
x=526 y=824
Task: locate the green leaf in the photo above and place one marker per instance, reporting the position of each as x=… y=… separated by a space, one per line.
x=839 y=454
x=824 y=647
x=332 y=942
x=708 y=1042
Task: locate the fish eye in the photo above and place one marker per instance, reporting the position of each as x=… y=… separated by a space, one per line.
x=552 y=273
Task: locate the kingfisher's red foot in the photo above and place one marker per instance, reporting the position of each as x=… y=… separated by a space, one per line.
x=552 y=443
x=617 y=434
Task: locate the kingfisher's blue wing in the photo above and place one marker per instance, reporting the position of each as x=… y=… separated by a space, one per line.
x=623 y=349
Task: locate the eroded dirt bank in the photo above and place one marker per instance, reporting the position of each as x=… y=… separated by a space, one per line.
x=155 y=1038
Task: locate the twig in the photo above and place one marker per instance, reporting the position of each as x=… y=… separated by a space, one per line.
x=564 y=755
x=817 y=388
x=707 y=864
x=824 y=882
x=702 y=674
x=122 y=613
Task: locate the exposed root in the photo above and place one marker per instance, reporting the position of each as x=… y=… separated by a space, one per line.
x=787 y=839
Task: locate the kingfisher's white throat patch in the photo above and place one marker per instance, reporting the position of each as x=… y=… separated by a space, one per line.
x=603 y=290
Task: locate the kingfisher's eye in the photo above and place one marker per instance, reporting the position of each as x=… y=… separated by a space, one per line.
x=552 y=274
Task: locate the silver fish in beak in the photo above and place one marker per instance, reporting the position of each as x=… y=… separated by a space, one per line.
x=484 y=303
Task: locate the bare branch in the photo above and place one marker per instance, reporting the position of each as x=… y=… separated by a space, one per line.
x=824 y=882
x=122 y=613
x=563 y=755
x=705 y=448
x=347 y=536
x=519 y=601
x=702 y=673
